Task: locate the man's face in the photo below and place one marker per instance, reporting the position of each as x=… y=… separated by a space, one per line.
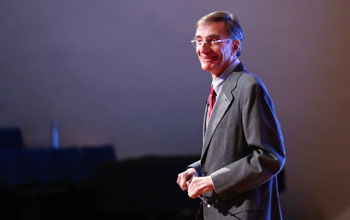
x=215 y=58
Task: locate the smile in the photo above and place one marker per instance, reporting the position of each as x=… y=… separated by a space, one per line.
x=208 y=59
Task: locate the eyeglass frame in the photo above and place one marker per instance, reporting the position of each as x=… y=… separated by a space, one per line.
x=210 y=44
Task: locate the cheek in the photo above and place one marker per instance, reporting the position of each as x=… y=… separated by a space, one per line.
x=219 y=53
x=198 y=53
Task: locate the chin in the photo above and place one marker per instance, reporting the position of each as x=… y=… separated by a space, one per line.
x=207 y=67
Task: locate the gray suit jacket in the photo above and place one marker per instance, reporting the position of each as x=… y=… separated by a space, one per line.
x=242 y=151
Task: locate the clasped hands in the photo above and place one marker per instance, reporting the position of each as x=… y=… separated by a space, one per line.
x=195 y=186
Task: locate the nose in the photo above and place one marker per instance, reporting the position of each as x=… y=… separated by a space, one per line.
x=204 y=47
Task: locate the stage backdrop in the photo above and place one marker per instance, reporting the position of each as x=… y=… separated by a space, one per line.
x=124 y=73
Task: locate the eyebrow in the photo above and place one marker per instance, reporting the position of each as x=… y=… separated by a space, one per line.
x=210 y=36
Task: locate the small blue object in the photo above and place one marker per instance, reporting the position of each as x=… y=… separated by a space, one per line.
x=54 y=135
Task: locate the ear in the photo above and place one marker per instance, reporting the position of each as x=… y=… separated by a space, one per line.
x=235 y=47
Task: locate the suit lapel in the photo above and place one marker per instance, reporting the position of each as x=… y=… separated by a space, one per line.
x=221 y=105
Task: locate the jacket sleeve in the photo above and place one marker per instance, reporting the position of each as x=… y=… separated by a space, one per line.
x=197 y=166
x=264 y=138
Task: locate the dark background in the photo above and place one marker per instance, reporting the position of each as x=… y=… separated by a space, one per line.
x=124 y=73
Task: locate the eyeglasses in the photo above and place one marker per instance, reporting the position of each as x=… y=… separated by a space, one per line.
x=210 y=42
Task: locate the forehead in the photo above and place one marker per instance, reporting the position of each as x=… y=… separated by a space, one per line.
x=211 y=29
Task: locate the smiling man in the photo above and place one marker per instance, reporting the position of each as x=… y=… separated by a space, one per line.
x=243 y=151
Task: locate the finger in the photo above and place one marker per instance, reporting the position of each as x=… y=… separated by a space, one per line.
x=193 y=194
x=193 y=190
x=182 y=183
x=178 y=180
x=188 y=184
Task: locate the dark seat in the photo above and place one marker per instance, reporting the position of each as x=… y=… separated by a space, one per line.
x=11 y=137
x=68 y=163
x=94 y=157
x=8 y=169
x=36 y=166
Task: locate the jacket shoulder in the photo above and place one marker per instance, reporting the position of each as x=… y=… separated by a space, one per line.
x=248 y=79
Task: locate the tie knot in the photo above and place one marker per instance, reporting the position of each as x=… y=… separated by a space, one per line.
x=212 y=91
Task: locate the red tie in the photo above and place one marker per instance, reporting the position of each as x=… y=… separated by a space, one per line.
x=212 y=99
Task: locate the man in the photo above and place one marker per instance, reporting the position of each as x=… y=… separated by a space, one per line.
x=242 y=142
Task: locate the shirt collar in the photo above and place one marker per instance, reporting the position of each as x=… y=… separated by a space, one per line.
x=218 y=82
